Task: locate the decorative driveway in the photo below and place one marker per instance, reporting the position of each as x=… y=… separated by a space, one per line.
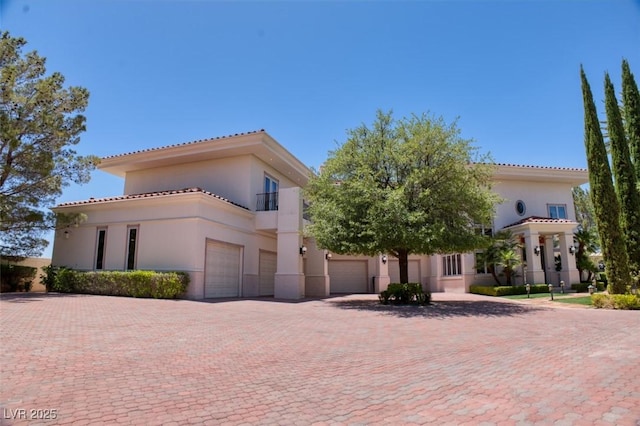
x=346 y=360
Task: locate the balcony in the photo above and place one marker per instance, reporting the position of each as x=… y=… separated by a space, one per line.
x=267 y=202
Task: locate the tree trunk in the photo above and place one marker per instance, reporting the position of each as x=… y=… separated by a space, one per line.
x=403 y=263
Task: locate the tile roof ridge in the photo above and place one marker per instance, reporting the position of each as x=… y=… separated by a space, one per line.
x=186 y=143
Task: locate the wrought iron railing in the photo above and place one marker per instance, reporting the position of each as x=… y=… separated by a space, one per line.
x=267 y=202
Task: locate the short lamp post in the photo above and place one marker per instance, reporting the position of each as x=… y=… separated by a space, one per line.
x=562 y=287
x=591 y=289
x=551 y=290
x=528 y=287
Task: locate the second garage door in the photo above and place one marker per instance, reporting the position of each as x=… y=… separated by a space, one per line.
x=222 y=270
x=267 y=273
x=348 y=276
x=414 y=271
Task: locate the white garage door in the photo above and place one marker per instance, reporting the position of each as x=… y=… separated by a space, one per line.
x=414 y=271
x=348 y=276
x=222 y=270
x=267 y=273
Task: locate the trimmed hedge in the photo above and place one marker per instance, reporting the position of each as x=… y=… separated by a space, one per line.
x=616 y=301
x=16 y=277
x=584 y=287
x=404 y=294
x=507 y=290
x=158 y=285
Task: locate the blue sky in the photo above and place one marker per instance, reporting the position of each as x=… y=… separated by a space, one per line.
x=165 y=72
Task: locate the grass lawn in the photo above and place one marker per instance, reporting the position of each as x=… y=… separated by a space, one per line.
x=584 y=300
x=533 y=296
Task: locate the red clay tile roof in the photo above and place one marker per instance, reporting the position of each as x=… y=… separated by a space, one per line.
x=185 y=143
x=538 y=219
x=149 y=195
x=541 y=167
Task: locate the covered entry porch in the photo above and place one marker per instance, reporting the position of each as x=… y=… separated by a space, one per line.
x=544 y=239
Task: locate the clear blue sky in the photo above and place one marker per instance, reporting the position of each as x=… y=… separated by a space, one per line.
x=165 y=72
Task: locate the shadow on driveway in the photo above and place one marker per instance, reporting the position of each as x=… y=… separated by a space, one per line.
x=442 y=309
x=32 y=297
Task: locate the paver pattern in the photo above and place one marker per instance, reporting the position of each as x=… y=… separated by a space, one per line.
x=346 y=360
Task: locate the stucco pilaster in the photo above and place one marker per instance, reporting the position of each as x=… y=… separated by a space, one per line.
x=569 y=273
x=289 y=278
x=382 y=278
x=316 y=270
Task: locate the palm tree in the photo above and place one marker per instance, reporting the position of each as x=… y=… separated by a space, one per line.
x=502 y=252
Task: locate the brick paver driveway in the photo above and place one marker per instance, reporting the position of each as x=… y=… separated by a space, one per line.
x=348 y=360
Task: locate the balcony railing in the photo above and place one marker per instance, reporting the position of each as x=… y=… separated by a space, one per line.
x=267 y=202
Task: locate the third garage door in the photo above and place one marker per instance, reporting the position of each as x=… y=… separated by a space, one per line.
x=348 y=276
x=222 y=270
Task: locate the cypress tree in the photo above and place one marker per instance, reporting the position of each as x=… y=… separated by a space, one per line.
x=605 y=201
x=624 y=175
x=631 y=102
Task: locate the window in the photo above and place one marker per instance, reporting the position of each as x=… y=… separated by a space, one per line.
x=451 y=265
x=270 y=194
x=521 y=208
x=132 y=243
x=557 y=211
x=101 y=241
x=481 y=265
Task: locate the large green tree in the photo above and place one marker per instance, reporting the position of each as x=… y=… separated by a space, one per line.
x=631 y=102
x=605 y=201
x=412 y=185
x=40 y=121
x=624 y=177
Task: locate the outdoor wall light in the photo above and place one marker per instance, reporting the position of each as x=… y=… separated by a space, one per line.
x=536 y=250
x=328 y=256
x=572 y=250
x=303 y=250
x=384 y=259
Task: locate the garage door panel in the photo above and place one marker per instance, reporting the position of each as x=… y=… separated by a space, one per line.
x=222 y=270
x=414 y=270
x=348 y=276
x=267 y=273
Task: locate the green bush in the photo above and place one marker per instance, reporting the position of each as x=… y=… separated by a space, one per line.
x=404 y=294
x=584 y=287
x=158 y=285
x=16 y=277
x=507 y=290
x=616 y=301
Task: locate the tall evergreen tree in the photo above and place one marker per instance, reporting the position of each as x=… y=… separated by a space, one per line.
x=631 y=102
x=605 y=201
x=624 y=175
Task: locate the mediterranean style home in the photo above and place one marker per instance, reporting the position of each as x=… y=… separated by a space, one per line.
x=230 y=212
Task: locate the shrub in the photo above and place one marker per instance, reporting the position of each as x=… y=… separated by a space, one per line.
x=404 y=294
x=507 y=290
x=158 y=285
x=584 y=287
x=14 y=277
x=616 y=301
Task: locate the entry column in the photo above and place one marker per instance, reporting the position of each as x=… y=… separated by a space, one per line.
x=289 y=279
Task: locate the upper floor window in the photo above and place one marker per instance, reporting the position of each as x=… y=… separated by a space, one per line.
x=268 y=201
x=101 y=242
x=557 y=211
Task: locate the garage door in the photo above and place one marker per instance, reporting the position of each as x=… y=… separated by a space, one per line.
x=348 y=276
x=222 y=270
x=267 y=272
x=414 y=271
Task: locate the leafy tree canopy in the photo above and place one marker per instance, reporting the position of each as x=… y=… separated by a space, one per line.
x=40 y=121
x=402 y=186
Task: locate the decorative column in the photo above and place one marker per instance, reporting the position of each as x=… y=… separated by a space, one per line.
x=289 y=279
x=550 y=261
x=535 y=274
